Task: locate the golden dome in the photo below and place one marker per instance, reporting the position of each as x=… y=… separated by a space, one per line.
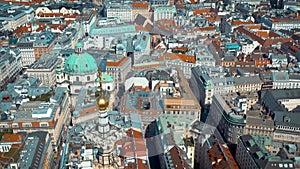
x=102 y=103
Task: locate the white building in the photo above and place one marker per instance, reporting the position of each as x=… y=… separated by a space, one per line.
x=204 y=56
x=164 y=12
x=281 y=23
x=248 y=46
x=123 y=12
x=284 y=80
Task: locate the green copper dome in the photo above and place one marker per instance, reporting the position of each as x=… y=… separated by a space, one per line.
x=105 y=78
x=79 y=44
x=80 y=64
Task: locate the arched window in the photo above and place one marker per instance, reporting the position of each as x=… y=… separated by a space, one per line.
x=77 y=78
x=108 y=87
x=86 y=65
x=88 y=78
x=57 y=77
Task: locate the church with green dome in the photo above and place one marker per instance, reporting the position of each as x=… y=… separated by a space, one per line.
x=80 y=71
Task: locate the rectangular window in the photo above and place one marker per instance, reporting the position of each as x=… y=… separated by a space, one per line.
x=44 y=125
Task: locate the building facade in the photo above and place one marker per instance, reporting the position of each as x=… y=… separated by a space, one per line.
x=164 y=12
x=44 y=70
x=281 y=105
x=15 y=15
x=33 y=46
x=124 y=12
x=10 y=66
x=118 y=69
x=208 y=81
x=251 y=153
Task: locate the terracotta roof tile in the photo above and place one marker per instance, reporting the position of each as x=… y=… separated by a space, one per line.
x=208 y=28
x=119 y=63
x=239 y=22
x=182 y=57
x=285 y=19
x=213 y=18
x=13 y=137
x=294 y=48
x=140 y=5
x=221 y=158
x=177 y=159
x=185 y=49
x=202 y=11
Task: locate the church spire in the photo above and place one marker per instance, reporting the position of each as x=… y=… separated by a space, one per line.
x=102 y=102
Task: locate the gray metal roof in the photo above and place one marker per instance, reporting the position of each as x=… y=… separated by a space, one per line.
x=247 y=80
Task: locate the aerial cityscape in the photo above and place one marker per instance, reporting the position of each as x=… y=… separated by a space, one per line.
x=149 y=84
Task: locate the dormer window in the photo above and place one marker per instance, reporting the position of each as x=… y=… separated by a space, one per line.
x=286 y=119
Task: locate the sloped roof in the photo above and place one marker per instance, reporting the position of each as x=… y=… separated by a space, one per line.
x=182 y=57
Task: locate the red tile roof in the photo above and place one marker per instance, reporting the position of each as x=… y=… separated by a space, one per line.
x=182 y=57
x=142 y=28
x=177 y=159
x=20 y=31
x=256 y=27
x=166 y=24
x=208 y=28
x=134 y=146
x=221 y=158
x=13 y=137
x=285 y=19
x=203 y=11
x=263 y=41
x=184 y=49
x=118 y=63
x=294 y=48
x=239 y=22
x=213 y=18
x=140 y=5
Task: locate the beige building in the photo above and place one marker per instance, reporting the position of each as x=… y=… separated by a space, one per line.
x=283 y=106
x=33 y=46
x=247 y=83
x=118 y=67
x=44 y=70
x=140 y=8
x=257 y=123
x=186 y=103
